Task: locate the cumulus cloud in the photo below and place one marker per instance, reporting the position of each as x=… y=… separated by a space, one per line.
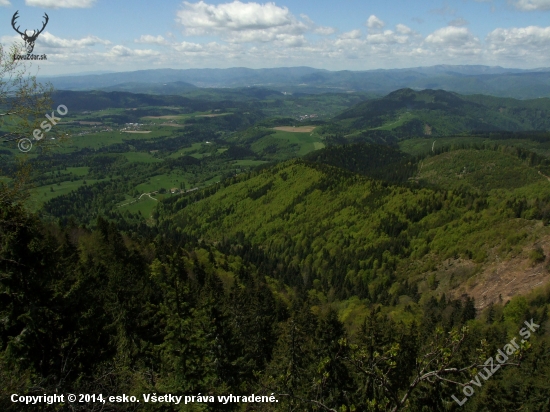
x=374 y=22
x=387 y=37
x=189 y=47
x=531 y=5
x=402 y=29
x=49 y=40
x=149 y=39
x=324 y=31
x=5 y=3
x=532 y=42
x=450 y=35
x=454 y=41
x=321 y=30
x=122 y=51
x=61 y=4
x=239 y=22
x=202 y=18
x=354 y=34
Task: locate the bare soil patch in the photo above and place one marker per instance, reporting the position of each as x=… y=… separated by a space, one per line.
x=212 y=115
x=171 y=124
x=171 y=117
x=502 y=280
x=91 y=123
x=299 y=129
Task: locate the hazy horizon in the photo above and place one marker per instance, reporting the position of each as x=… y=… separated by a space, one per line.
x=100 y=72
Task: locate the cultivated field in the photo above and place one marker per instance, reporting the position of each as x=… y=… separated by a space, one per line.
x=299 y=129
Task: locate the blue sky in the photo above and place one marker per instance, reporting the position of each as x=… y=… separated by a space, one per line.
x=120 y=35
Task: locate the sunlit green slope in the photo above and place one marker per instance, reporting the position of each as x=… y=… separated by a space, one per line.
x=354 y=234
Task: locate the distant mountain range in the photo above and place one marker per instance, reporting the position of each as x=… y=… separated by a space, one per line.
x=495 y=81
x=172 y=88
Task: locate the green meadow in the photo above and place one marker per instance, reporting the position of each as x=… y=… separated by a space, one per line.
x=40 y=195
x=164 y=181
x=145 y=206
x=288 y=143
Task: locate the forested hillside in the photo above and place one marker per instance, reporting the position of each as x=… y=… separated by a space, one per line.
x=98 y=312
x=209 y=246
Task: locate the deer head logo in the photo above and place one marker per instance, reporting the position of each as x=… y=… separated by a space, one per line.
x=29 y=40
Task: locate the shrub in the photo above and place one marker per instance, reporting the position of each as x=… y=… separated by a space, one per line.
x=537 y=256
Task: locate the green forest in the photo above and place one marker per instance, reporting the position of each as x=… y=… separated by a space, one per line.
x=390 y=254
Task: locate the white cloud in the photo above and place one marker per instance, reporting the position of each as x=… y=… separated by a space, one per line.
x=61 y=4
x=148 y=39
x=205 y=18
x=387 y=37
x=402 y=29
x=532 y=43
x=450 y=35
x=5 y=3
x=49 y=40
x=354 y=34
x=374 y=22
x=239 y=22
x=453 y=42
x=324 y=31
x=531 y=5
x=122 y=51
x=189 y=47
x=321 y=30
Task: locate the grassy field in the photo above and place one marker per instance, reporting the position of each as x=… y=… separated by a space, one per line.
x=42 y=194
x=94 y=140
x=307 y=142
x=403 y=118
x=145 y=205
x=78 y=171
x=165 y=181
x=179 y=118
x=297 y=144
x=187 y=150
x=98 y=140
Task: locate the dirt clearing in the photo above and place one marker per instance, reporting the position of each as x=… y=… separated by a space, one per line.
x=299 y=129
x=169 y=117
x=212 y=115
x=137 y=131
